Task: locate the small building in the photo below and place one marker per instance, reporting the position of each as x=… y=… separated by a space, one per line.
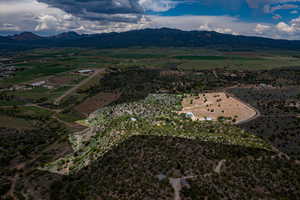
x=85 y=71
x=19 y=87
x=50 y=87
x=206 y=119
x=38 y=84
x=133 y=119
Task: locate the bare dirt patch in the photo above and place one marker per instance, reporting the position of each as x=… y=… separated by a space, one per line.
x=215 y=105
x=61 y=80
x=100 y=100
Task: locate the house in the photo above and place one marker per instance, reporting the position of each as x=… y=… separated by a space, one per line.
x=50 y=87
x=133 y=119
x=206 y=119
x=85 y=71
x=37 y=84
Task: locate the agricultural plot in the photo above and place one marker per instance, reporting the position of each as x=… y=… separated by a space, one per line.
x=98 y=101
x=34 y=95
x=66 y=79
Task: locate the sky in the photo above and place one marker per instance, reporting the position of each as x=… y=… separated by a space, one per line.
x=278 y=19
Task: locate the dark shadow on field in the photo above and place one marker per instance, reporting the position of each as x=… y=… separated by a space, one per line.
x=130 y=170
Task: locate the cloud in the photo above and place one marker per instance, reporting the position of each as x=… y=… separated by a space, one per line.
x=95 y=6
x=272 y=9
x=271 y=6
x=31 y=15
x=292 y=28
x=207 y=27
x=294 y=12
x=158 y=5
x=281 y=26
x=222 y=24
x=92 y=16
x=24 y=14
x=231 y=25
x=47 y=22
x=9 y=27
x=260 y=28
x=49 y=17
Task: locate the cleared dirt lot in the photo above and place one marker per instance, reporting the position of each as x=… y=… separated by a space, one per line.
x=66 y=79
x=215 y=105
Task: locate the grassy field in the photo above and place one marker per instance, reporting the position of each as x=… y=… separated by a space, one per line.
x=46 y=62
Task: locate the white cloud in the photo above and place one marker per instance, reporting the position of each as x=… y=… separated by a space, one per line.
x=25 y=14
x=261 y=28
x=207 y=27
x=157 y=5
x=281 y=26
x=9 y=27
x=222 y=24
x=30 y=15
x=294 y=12
x=271 y=9
x=47 y=22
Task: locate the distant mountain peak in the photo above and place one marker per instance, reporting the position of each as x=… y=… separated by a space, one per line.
x=67 y=35
x=26 y=36
x=163 y=37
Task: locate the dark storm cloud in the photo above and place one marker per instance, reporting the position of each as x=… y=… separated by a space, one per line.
x=98 y=9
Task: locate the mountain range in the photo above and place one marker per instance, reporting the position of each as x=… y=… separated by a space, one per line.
x=163 y=37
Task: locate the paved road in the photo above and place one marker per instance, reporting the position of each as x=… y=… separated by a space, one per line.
x=72 y=90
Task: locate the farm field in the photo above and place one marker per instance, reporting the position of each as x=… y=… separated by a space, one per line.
x=98 y=101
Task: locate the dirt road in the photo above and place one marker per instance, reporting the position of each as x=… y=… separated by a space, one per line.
x=257 y=112
x=72 y=90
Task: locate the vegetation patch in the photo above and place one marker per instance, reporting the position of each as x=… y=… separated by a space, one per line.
x=215 y=58
x=137 y=56
x=155 y=115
